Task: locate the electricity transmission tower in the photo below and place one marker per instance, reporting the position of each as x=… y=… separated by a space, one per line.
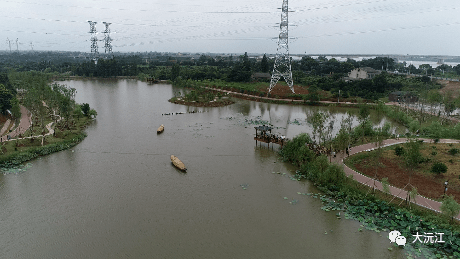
x=282 y=67
x=94 y=48
x=107 y=39
x=9 y=43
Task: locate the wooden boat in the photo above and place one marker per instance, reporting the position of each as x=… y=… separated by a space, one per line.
x=177 y=163
x=160 y=129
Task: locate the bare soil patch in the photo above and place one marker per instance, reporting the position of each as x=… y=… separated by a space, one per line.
x=450 y=86
x=428 y=184
x=283 y=91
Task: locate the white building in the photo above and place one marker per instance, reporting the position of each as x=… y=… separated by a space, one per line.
x=363 y=73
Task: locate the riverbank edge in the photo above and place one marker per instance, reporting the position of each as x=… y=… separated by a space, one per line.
x=281 y=101
x=17 y=159
x=377 y=214
x=218 y=103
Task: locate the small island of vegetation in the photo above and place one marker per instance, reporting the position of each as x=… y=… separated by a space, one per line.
x=201 y=97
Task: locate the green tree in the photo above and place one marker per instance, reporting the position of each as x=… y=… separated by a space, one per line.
x=78 y=111
x=5 y=97
x=363 y=116
x=333 y=176
x=15 y=108
x=413 y=155
x=175 y=71
x=264 y=67
x=450 y=207
x=296 y=151
x=317 y=168
x=85 y=109
x=322 y=124
x=380 y=82
x=342 y=140
x=92 y=113
x=449 y=102
x=313 y=94
x=438 y=168
x=434 y=98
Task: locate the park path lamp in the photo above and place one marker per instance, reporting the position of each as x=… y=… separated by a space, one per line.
x=445 y=186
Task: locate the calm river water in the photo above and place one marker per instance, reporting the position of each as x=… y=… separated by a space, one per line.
x=116 y=194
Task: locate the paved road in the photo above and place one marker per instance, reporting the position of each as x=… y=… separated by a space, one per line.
x=24 y=124
x=419 y=200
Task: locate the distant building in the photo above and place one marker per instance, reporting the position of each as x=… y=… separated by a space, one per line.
x=362 y=73
x=401 y=96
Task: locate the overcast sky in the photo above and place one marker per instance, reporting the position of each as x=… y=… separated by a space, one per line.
x=416 y=27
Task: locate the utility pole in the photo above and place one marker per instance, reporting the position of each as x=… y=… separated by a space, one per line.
x=282 y=67
x=17 y=45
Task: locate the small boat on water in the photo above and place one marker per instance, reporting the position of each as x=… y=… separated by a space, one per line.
x=160 y=129
x=177 y=163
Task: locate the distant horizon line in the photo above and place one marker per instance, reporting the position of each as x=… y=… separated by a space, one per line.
x=241 y=53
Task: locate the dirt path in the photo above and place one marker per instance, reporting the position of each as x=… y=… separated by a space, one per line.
x=402 y=194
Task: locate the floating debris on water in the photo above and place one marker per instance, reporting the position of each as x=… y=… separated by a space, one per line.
x=244 y=186
x=178 y=113
x=293 y=202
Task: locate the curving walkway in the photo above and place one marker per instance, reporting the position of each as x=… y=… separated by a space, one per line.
x=419 y=200
x=24 y=124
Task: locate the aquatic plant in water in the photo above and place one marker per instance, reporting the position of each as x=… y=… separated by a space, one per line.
x=15 y=169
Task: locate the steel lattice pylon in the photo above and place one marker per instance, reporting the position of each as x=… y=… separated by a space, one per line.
x=94 y=48
x=282 y=66
x=107 y=39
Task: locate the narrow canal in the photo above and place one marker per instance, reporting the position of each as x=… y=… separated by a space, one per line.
x=116 y=194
